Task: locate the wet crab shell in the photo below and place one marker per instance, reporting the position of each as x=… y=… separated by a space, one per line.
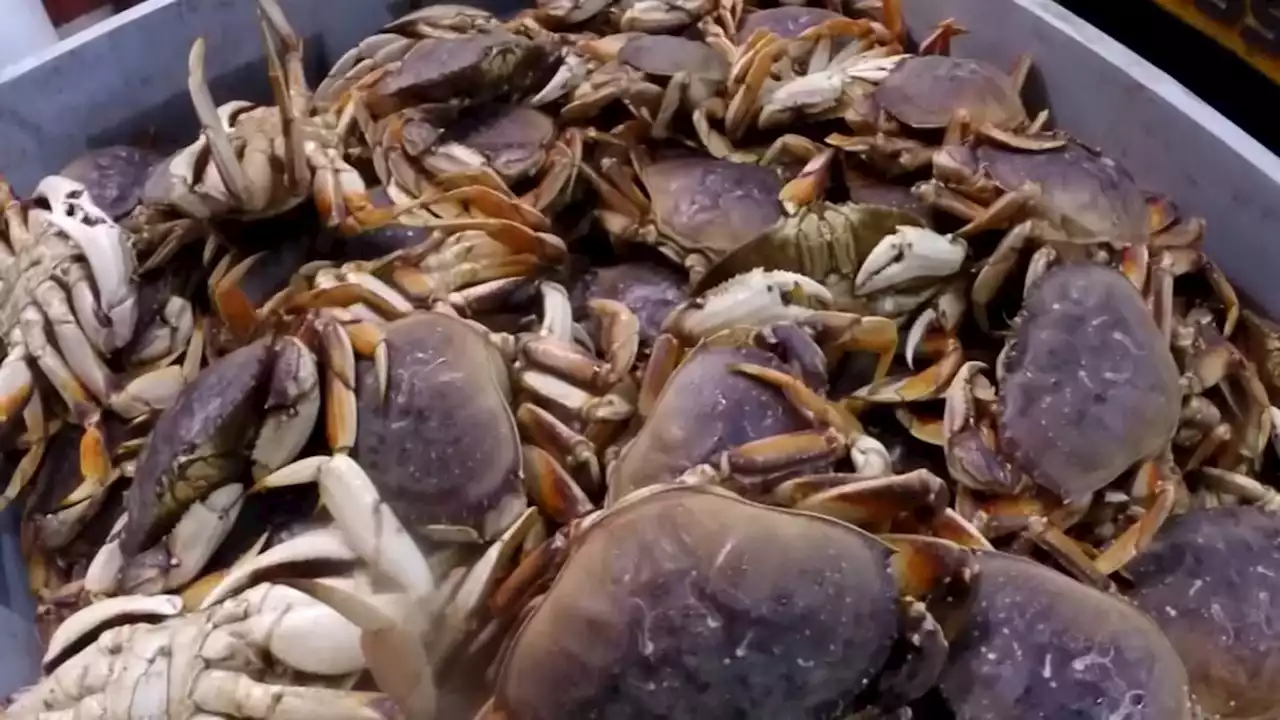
x=1038 y=644
x=199 y=440
x=512 y=138
x=689 y=602
x=478 y=66
x=1211 y=580
x=787 y=21
x=1090 y=386
x=114 y=176
x=666 y=55
x=441 y=447
x=706 y=408
x=713 y=206
x=1093 y=195
x=648 y=289
x=924 y=92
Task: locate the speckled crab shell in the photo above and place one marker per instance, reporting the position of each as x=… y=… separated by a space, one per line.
x=1090 y=386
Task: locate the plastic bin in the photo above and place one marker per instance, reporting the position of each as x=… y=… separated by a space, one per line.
x=126 y=77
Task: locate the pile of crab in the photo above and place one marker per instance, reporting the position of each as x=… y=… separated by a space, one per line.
x=649 y=360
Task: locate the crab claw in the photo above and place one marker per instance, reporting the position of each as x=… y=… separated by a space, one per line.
x=910 y=253
x=758 y=297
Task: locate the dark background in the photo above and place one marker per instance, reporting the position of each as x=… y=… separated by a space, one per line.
x=1209 y=70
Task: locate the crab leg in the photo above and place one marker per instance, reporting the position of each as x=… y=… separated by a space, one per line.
x=926 y=385
x=288 y=85
x=870 y=458
x=1157 y=480
x=995 y=269
x=31 y=333
x=935 y=578
x=16 y=381
x=74 y=346
x=552 y=488
x=563 y=443
x=249 y=195
x=367 y=524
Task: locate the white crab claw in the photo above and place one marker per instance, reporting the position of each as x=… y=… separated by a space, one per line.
x=910 y=253
x=573 y=69
x=758 y=297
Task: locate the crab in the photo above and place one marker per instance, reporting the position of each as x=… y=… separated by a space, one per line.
x=1088 y=388
x=656 y=76
x=1208 y=580
x=113 y=176
x=68 y=267
x=697 y=209
x=760 y=297
x=644 y=16
x=770 y=611
x=651 y=290
x=137 y=657
x=832 y=84
x=467 y=263
x=1036 y=643
x=1071 y=199
x=872 y=258
x=446 y=503
x=473 y=67
x=253 y=162
x=933 y=92
x=441 y=160
x=393 y=42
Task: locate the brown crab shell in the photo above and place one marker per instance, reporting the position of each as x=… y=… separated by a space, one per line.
x=114 y=176
x=691 y=602
x=707 y=408
x=925 y=92
x=198 y=443
x=1038 y=644
x=648 y=289
x=441 y=447
x=666 y=55
x=712 y=206
x=512 y=138
x=1094 y=196
x=1090 y=386
x=478 y=66
x=1211 y=580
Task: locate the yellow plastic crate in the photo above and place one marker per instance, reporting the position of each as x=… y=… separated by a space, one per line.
x=1249 y=28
